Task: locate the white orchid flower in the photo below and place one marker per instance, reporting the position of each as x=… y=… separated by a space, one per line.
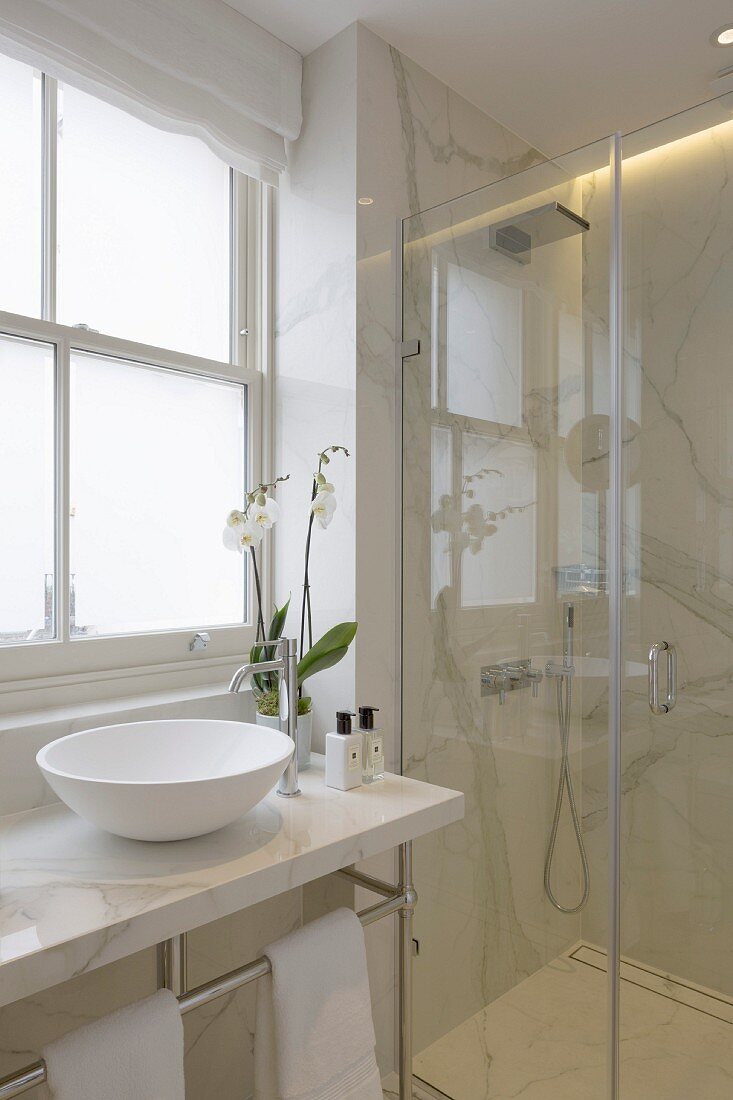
x=264 y=515
x=230 y=538
x=323 y=507
x=250 y=536
x=242 y=537
x=236 y=518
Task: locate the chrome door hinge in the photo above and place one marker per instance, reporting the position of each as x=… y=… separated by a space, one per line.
x=410 y=348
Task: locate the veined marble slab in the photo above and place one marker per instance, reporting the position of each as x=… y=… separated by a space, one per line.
x=73 y=898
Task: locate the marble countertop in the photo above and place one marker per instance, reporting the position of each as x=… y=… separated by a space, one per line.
x=73 y=898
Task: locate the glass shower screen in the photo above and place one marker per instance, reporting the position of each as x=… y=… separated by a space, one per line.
x=567 y=621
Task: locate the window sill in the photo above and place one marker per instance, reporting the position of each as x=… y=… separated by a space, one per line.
x=124 y=708
x=22 y=734
x=39 y=694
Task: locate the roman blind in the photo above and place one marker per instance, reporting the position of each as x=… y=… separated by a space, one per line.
x=193 y=66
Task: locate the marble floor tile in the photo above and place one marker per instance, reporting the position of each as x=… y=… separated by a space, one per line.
x=546 y=1040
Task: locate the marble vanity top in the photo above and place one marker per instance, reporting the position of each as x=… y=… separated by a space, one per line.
x=73 y=898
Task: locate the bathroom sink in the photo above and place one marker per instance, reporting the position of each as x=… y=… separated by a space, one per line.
x=166 y=780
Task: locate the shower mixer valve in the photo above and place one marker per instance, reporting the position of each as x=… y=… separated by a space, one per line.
x=509 y=676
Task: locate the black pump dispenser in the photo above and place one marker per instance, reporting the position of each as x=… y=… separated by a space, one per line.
x=343 y=721
x=366 y=717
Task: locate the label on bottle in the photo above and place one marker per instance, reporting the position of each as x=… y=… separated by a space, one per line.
x=377 y=751
x=354 y=759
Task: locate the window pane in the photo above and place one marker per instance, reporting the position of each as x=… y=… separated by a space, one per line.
x=143 y=231
x=157 y=462
x=26 y=490
x=20 y=189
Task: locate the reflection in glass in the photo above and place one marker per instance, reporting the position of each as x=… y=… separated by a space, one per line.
x=483 y=346
x=500 y=522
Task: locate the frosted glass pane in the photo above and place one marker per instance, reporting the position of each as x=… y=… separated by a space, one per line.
x=483 y=347
x=157 y=462
x=143 y=231
x=20 y=189
x=499 y=565
x=26 y=490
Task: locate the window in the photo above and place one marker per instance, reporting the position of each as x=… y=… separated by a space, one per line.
x=127 y=385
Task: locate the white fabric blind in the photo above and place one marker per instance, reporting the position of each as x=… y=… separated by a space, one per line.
x=194 y=66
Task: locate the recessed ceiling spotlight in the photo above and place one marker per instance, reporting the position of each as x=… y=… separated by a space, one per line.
x=365 y=201
x=723 y=36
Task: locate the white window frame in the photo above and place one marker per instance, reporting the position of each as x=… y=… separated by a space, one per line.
x=59 y=662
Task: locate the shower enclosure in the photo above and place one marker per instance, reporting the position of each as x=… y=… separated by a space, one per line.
x=567 y=621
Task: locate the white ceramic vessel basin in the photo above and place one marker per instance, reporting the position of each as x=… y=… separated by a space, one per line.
x=165 y=780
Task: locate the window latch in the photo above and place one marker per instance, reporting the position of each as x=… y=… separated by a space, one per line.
x=200 y=641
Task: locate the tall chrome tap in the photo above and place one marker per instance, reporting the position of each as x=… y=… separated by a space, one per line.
x=287 y=664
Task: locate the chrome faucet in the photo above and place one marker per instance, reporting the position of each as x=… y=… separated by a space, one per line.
x=287 y=663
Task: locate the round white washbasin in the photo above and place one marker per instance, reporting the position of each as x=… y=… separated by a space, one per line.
x=165 y=780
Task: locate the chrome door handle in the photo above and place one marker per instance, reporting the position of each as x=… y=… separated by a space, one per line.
x=671 y=697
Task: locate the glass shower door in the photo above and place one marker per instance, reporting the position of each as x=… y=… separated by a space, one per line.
x=676 y=1020
x=505 y=629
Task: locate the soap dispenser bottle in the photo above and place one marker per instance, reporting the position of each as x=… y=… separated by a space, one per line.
x=373 y=745
x=343 y=754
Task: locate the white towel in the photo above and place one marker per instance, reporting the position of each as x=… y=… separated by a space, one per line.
x=135 y=1053
x=314 y=1034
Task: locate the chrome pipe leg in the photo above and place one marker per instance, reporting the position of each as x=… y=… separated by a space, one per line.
x=172 y=965
x=405 y=966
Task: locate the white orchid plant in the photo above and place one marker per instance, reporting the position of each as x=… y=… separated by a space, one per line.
x=245 y=530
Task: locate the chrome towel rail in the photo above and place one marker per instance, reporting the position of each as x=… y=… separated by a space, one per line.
x=399 y=899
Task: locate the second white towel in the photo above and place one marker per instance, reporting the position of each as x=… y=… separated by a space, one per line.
x=135 y=1053
x=314 y=1034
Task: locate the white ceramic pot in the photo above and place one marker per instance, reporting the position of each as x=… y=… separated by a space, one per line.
x=305 y=733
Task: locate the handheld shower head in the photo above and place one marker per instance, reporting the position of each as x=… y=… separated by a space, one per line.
x=568 y=626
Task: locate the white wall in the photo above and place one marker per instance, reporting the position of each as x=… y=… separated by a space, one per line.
x=315 y=356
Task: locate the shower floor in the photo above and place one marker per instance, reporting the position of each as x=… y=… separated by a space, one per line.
x=546 y=1039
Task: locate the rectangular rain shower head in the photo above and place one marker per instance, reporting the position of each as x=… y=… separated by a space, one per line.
x=517 y=236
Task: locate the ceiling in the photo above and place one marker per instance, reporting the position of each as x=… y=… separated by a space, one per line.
x=559 y=74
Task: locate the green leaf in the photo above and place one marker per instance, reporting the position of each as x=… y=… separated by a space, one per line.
x=268 y=680
x=327 y=651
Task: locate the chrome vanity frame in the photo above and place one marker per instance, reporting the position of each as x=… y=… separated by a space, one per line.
x=400 y=899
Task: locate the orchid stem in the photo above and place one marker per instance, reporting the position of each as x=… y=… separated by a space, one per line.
x=258 y=589
x=306 y=583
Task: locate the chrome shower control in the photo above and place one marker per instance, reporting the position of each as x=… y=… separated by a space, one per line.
x=507 y=676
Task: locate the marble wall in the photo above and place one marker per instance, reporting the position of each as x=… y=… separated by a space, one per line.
x=419 y=144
